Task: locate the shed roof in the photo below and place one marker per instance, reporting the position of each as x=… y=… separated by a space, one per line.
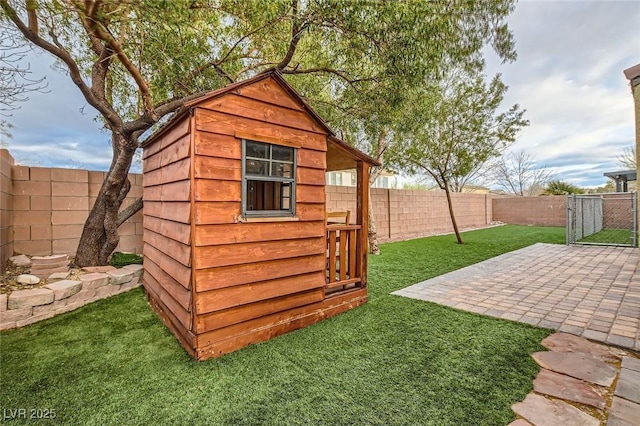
x=340 y=155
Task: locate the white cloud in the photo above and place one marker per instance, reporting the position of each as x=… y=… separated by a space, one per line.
x=569 y=78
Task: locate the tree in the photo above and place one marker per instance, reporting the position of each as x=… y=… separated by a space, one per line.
x=558 y=187
x=15 y=81
x=518 y=173
x=628 y=158
x=609 y=186
x=460 y=132
x=138 y=62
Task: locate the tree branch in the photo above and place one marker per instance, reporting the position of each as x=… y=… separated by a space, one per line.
x=100 y=30
x=145 y=121
x=55 y=49
x=129 y=211
x=296 y=34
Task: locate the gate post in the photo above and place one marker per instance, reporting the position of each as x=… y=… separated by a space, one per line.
x=570 y=235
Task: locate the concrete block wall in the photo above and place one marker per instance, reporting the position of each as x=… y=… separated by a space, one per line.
x=45 y=209
x=6 y=206
x=401 y=214
x=537 y=211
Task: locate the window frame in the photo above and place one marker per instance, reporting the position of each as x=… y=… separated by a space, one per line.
x=291 y=212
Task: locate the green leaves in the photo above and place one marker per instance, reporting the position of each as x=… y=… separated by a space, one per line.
x=460 y=131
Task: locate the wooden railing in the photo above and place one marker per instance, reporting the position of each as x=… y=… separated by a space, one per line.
x=343 y=249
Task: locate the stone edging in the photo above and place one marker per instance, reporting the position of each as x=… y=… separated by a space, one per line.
x=24 y=307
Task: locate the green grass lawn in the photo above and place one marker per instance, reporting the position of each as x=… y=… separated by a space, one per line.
x=609 y=236
x=391 y=361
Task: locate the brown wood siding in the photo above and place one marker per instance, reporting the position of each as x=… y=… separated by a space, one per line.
x=214 y=343
x=261 y=111
x=219 y=280
x=177 y=270
x=237 y=254
x=245 y=271
x=207 y=235
x=224 y=318
x=227 y=124
x=270 y=92
x=227 y=276
x=215 y=300
x=167 y=235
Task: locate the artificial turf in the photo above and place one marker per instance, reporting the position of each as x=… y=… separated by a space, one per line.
x=391 y=361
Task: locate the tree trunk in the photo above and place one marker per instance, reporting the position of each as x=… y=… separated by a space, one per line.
x=453 y=217
x=374 y=247
x=100 y=234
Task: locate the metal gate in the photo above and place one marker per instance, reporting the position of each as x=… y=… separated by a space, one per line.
x=603 y=219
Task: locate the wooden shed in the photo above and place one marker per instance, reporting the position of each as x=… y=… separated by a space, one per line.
x=237 y=248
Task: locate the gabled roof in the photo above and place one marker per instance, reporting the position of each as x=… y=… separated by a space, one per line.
x=271 y=73
x=277 y=76
x=334 y=145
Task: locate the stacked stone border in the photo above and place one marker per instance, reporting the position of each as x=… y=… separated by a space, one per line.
x=24 y=307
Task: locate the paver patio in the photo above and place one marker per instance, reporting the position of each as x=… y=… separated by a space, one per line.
x=589 y=291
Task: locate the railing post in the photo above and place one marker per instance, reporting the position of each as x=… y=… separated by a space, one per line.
x=362 y=202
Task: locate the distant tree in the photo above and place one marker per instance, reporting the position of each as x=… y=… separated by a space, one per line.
x=458 y=130
x=558 y=187
x=519 y=174
x=414 y=186
x=628 y=158
x=606 y=188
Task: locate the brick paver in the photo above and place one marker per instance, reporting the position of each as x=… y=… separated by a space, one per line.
x=589 y=291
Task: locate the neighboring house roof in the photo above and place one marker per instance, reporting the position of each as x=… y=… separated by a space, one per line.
x=632 y=72
x=332 y=141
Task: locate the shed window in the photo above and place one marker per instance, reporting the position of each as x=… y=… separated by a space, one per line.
x=268 y=179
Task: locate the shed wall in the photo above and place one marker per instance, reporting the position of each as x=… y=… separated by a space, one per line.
x=259 y=275
x=167 y=229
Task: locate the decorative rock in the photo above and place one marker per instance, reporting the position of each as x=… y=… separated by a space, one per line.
x=137 y=269
x=65 y=288
x=3 y=302
x=567 y=388
x=48 y=266
x=631 y=363
x=541 y=411
x=120 y=276
x=102 y=269
x=16 y=314
x=628 y=386
x=29 y=298
x=28 y=279
x=44 y=273
x=20 y=260
x=579 y=365
x=563 y=342
x=624 y=412
x=94 y=280
x=57 y=276
x=56 y=258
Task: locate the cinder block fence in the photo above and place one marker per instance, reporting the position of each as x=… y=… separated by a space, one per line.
x=43 y=210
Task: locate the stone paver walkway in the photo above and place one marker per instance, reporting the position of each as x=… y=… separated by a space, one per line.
x=589 y=291
x=602 y=390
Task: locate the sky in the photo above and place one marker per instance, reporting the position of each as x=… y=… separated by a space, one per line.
x=568 y=77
